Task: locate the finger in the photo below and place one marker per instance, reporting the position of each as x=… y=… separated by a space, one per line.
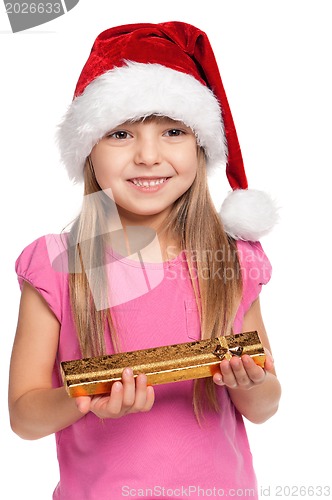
x=150 y=397
x=114 y=404
x=227 y=374
x=83 y=404
x=217 y=379
x=269 y=365
x=240 y=374
x=269 y=361
x=141 y=393
x=255 y=373
x=128 y=382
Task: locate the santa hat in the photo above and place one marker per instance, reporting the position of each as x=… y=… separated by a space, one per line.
x=167 y=69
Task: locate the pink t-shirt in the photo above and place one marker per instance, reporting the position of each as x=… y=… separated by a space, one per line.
x=163 y=453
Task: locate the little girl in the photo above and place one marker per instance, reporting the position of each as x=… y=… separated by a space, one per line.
x=148 y=262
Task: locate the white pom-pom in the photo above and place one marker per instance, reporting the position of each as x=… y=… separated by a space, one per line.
x=248 y=214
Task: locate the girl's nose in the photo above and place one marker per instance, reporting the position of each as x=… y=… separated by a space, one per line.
x=147 y=151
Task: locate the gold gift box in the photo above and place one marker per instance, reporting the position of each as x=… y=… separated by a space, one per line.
x=192 y=360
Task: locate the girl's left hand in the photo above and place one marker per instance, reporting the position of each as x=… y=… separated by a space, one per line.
x=242 y=373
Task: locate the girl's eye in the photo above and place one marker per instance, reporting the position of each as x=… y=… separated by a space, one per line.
x=119 y=134
x=174 y=132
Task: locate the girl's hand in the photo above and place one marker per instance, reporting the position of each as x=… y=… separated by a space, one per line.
x=242 y=373
x=128 y=396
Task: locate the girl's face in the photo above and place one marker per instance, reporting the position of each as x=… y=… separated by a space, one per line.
x=148 y=165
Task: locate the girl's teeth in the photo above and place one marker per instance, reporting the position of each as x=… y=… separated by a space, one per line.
x=146 y=183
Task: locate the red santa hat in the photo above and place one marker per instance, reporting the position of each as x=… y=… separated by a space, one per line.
x=167 y=69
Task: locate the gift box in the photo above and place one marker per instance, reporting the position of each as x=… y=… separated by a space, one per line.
x=161 y=365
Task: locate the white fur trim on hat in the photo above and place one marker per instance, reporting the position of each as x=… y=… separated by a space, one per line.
x=248 y=214
x=134 y=91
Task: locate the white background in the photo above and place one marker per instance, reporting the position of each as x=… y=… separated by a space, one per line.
x=275 y=61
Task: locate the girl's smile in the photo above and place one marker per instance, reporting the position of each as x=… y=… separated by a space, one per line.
x=149 y=184
x=148 y=165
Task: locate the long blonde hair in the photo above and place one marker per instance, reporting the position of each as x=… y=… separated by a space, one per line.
x=211 y=257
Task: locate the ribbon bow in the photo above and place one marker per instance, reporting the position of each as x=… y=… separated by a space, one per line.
x=222 y=351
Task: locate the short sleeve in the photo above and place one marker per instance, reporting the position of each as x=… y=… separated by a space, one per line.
x=38 y=264
x=255 y=271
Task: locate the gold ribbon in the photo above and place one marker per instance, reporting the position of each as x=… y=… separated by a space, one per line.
x=222 y=351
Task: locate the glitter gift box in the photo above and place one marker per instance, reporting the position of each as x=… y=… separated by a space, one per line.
x=192 y=360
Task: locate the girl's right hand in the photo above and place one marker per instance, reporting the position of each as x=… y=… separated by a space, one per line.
x=128 y=396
